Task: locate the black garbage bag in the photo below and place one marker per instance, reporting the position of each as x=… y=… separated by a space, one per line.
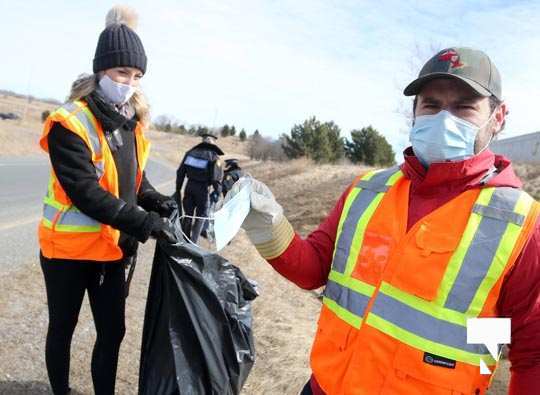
x=197 y=336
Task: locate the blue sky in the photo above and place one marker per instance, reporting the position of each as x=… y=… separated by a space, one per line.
x=271 y=64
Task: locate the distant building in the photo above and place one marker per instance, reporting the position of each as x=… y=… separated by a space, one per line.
x=524 y=148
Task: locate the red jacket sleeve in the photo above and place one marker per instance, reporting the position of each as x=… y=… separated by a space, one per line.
x=520 y=300
x=307 y=262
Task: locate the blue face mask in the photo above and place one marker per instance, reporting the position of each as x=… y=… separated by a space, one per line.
x=443 y=137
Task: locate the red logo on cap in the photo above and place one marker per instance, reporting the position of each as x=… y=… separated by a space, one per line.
x=452 y=57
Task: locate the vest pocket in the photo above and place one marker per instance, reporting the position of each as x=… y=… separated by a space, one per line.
x=417 y=372
x=333 y=330
x=424 y=259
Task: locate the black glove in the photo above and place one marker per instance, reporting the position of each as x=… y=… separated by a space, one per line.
x=164 y=229
x=167 y=207
x=214 y=197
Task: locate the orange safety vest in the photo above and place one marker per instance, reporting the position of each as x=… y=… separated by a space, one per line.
x=64 y=231
x=396 y=303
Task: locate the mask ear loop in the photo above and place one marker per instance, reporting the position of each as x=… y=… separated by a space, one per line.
x=492 y=134
x=192 y=217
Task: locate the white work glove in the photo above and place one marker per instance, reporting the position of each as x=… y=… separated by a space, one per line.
x=265 y=225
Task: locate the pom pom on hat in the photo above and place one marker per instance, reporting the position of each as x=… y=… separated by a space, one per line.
x=122 y=15
x=119 y=45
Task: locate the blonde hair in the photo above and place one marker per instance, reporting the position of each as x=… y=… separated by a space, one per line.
x=85 y=84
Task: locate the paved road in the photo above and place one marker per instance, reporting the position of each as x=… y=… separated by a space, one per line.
x=23 y=182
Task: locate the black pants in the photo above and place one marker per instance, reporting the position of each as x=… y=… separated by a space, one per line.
x=195 y=202
x=307 y=389
x=66 y=282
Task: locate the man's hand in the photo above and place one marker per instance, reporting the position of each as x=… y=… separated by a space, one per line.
x=265 y=225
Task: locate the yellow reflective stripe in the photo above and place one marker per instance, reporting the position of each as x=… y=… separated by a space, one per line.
x=77 y=228
x=484 y=197
x=352 y=283
x=50 y=186
x=359 y=232
x=71 y=119
x=62 y=112
x=358 y=238
x=427 y=345
x=502 y=255
x=524 y=204
x=369 y=175
x=344 y=213
x=89 y=114
x=54 y=203
x=394 y=178
x=46 y=223
x=347 y=206
x=458 y=256
x=343 y=313
x=430 y=308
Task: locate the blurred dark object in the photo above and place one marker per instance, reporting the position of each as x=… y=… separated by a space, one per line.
x=197 y=336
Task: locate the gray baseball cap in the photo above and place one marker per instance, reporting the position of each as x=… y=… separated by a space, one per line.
x=469 y=65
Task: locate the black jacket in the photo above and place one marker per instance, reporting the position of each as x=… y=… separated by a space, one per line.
x=231 y=175
x=72 y=163
x=201 y=165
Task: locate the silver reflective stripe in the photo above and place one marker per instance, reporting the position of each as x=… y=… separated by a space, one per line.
x=76 y=218
x=347 y=298
x=70 y=107
x=71 y=217
x=377 y=183
x=49 y=212
x=100 y=168
x=424 y=325
x=357 y=209
x=372 y=187
x=88 y=125
x=481 y=252
x=92 y=132
x=505 y=198
x=497 y=213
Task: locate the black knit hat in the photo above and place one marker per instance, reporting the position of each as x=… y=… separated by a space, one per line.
x=118 y=44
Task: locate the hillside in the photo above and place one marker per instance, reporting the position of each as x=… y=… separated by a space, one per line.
x=20 y=137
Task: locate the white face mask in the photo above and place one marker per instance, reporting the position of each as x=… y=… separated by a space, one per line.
x=116 y=92
x=444 y=137
x=229 y=218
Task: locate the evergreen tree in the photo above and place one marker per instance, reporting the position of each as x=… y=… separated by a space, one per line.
x=242 y=135
x=225 y=131
x=319 y=141
x=368 y=146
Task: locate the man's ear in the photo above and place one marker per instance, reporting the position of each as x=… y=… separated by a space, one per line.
x=500 y=118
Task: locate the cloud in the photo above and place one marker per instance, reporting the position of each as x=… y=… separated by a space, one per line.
x=267 y=64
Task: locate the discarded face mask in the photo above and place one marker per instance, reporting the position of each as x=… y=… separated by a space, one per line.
x=229 y=218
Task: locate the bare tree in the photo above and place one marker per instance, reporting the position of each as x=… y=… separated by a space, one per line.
x=420 y=55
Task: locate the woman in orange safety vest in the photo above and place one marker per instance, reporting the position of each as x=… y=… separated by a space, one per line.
x=99 y=204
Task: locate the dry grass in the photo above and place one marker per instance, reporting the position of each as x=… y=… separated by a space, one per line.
x=530 y=174
x=284 y=316
x=21 y=137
